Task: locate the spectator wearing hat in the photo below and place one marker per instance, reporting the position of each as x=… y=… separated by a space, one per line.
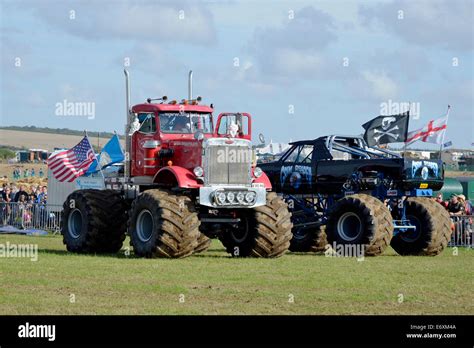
x=455 y=207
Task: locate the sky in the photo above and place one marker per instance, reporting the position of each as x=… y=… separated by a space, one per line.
x=302 y=69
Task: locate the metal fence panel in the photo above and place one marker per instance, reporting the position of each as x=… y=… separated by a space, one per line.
x=31 y=216
x=463 y=231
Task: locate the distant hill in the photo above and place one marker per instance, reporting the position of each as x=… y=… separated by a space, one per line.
x=24 y=139
x=65 y=131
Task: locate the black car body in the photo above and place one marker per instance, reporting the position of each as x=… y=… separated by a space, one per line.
x=337 y=164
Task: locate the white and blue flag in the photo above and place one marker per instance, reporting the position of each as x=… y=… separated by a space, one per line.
x=110 y=154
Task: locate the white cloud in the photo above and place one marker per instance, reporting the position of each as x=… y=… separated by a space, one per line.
x=381 y=85
x=178 y=21
x=295 y=48
x=443 y=23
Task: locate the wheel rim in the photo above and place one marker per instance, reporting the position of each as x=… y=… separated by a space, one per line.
x=410 y=235
x=145 y=225
x=349 y=226
x=74 y=223
x=300 y=234
x=240 y=233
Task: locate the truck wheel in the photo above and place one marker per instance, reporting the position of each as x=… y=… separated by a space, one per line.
x=360 y=219
x=163 y=224
x=204 y=243
x=262 y=232
x=94 y=221
x=433 y=229
x=312 y=239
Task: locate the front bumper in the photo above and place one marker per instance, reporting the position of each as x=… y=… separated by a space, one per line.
x=207 y=196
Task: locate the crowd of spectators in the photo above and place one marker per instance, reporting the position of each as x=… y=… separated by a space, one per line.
x=22 y=205
x=457 y=205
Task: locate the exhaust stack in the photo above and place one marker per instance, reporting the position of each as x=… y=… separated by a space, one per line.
x=190 y=85
x=127 y=126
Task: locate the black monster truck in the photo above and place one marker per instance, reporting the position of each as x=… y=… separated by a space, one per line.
x=345 y=193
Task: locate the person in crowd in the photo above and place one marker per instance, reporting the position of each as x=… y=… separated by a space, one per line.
x=21 y=192
x=34 y=192
x=7 y=198
x=455 y=207
x=3 y=211
x=13 y=192
x=42 y=195
x=23 y=216
x=4 y=187
x=466 y=204
x=440 y=200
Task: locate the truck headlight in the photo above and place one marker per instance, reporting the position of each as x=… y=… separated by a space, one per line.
x=198 y=171
x=221 y=197
x=230 y=196
x=250 y=196
x=257 y=172
x=240 y=197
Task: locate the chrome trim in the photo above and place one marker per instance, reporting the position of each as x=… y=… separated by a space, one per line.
x=190 y=85
x=206 y=196
x=151 y=144
x=206 y=160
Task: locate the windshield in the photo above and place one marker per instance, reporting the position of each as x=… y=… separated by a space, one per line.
x=185 y=122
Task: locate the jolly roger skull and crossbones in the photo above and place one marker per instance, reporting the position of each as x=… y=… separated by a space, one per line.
x=386 y=130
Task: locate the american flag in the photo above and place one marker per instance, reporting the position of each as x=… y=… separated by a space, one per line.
x=70 y=164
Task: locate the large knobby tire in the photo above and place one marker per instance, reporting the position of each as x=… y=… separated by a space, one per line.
x=360 y=220
x=203 y=243
x=264 y=231
x=163 y=224
x=311 y=239
x=433 y=229
x=94 y=221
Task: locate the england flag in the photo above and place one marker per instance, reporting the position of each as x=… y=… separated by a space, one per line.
x=433 y=132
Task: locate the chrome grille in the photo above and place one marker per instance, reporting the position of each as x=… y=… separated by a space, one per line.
x=224 y=169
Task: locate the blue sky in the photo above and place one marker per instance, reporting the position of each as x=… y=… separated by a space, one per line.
x=331 y=62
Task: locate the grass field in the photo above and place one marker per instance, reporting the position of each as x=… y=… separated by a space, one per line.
x=214 y=283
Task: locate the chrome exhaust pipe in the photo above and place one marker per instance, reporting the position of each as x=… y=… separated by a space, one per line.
x=190 y=85
x=127 y=93
x=127 y=126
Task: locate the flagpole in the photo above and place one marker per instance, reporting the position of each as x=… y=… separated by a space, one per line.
x=408 y=126
x=444 y=133
x=97 y=160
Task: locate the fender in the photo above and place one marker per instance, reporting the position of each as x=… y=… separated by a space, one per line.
x=176 y=175
x=263 y=180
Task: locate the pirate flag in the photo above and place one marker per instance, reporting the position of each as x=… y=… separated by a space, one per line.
x=386 y=129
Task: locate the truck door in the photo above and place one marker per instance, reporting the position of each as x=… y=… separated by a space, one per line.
x=144 y=146
x=296 y=174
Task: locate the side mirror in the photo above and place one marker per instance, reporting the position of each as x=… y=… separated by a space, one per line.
x=198 y=135
x=261 y=137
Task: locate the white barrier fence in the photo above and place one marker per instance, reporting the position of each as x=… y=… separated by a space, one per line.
x=26 y=216
x=463 y=231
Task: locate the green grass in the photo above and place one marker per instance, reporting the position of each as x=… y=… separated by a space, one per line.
x=214 y=283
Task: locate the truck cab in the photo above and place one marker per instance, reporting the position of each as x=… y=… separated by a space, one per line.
x=178 y=145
